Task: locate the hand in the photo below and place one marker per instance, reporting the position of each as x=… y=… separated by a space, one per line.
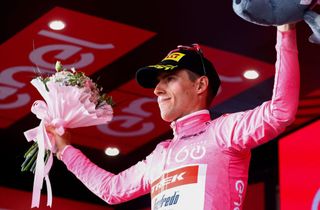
x=286 y=27
x=60 y=141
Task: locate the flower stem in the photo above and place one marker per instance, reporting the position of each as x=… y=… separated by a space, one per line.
x=30 y=160
x=29 y=164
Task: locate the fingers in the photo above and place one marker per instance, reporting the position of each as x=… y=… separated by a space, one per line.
x=50 y=129
x=286 y=27
x=60 y=141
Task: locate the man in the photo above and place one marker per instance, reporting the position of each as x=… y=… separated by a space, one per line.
x=205 y=165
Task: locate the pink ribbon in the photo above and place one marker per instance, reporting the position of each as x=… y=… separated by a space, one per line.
x=40 y=135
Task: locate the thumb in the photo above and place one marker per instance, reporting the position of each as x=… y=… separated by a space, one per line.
x=60 y=141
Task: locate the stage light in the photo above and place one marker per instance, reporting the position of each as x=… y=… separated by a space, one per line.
x=251 y=74
x=57 y=25
x=112 y=151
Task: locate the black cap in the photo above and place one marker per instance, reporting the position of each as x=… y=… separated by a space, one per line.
x=184 y=57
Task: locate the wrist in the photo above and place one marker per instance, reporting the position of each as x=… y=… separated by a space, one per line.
x=286 y=27
x=61 y=151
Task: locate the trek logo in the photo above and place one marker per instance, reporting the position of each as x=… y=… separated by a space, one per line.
x=178 y=177
x=168 y=180
x=174 y=56
x=166 y=201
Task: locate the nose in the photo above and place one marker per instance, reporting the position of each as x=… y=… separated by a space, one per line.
x=159 y=89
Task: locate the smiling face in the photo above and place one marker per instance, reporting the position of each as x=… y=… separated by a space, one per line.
x=178 y=95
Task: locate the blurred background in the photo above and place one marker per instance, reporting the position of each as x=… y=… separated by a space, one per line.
x=110 y=40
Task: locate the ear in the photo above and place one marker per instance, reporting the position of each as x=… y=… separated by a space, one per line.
x=202 y=84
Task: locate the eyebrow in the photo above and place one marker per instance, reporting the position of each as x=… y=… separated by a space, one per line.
x=165 y=75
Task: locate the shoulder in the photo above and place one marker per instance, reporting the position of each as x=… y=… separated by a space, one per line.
x=163 y=144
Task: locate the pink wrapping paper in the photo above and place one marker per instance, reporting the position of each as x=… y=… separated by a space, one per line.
x=62 y=107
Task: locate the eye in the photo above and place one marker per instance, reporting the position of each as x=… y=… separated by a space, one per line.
x=170 y=78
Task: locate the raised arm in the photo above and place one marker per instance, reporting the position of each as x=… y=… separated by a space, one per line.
x=245 y=130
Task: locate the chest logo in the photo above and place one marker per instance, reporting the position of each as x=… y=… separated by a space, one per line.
x=195 y=153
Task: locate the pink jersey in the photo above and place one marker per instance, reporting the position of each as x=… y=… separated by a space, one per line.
x=205 y=166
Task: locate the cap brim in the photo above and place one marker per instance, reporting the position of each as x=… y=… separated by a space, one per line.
x=147 y=77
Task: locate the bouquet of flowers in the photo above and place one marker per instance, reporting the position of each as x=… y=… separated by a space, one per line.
x=71 y=100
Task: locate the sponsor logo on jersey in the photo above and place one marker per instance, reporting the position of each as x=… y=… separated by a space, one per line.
x=181 y=176
x=166 y=200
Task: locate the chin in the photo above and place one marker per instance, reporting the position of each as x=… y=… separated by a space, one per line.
x=167 y=117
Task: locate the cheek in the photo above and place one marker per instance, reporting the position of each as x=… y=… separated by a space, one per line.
x=186 y=94
x=182 y=92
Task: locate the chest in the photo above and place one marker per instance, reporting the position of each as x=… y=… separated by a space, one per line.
x=198 y=148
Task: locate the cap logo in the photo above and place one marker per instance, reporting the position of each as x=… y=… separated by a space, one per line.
x=164 y=67
x=176 y=56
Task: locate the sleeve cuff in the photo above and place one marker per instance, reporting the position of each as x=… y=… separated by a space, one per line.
x=60 y=156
